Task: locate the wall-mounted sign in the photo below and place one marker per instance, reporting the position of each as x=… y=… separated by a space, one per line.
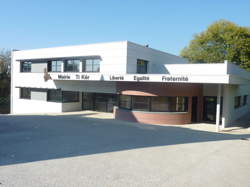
x=126 y=77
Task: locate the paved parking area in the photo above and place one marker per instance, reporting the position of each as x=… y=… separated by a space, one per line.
x=89 y=149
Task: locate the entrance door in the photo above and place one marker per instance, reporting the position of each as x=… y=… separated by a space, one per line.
x=101 y=103
x=209 y=111
x=87 y=101
x=105 y=102
x=194 y=109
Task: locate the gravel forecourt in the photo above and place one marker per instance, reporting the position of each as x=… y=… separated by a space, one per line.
x=92 y=149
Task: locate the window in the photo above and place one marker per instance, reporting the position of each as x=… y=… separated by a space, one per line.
x=181 y=104
x=169 y=104
x=159 y=104
x=142 y=66
x=237 y=101
x=54 y=66
x=244 y=100
x=54 y=95
x=25 y=66
x=125 y=101
x=91 y=65
x=68 y=96
x=24 y=93
x=140 y=103
x=72 y=66
x=155 y=104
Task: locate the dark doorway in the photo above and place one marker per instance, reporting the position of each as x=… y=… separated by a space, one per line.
x=194 y=109
x=99 y=102
x=87 y=101
x=209 y=110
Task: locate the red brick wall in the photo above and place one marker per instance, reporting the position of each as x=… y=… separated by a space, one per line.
x=152 y=118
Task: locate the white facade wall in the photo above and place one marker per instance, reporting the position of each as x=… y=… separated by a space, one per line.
x=87 y=86
x=157 y=59
x=197 y=69
x=27 y=106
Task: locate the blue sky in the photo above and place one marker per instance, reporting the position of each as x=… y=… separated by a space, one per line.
x=165 y=25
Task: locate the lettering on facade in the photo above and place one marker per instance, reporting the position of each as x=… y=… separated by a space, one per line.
x=174 y=79
x=137 y=78
x=63 y=77
x=85 y=77
x=141 y=78
x=116 y=78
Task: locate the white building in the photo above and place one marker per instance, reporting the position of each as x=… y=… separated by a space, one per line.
x=135 y=82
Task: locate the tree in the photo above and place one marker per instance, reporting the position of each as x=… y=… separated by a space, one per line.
x=5 y=60
x=223 y=40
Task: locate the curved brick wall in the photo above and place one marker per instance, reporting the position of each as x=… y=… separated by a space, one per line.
x=159 y=89
x=152 y=117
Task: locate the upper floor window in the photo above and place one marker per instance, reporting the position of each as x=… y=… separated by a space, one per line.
x=72 y=66
x=25 y=66
x=54 y=66
x=91 y=65
x=142 y=66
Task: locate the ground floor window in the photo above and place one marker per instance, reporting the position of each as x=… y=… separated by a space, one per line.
x=24 y=93
x=140 y=103
x=125 y=101
x=244 y=100
x=237 y=101
x=54 y=95
x=69 y=96
x=62 y=96
x=155 y=104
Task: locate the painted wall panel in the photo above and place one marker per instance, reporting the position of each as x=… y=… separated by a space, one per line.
x=38 y=94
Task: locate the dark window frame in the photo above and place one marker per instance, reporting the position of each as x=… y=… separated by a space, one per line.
x=51 y=98
x=177 y=105
x=22 y=94
x=142 y=69
x=27 y=68
x=146 y=104
x=93 y=64
x=237 y=102
x=74 y=100
x=122 y=106
x=245 y=98
x=74 y=65
x=58 y=67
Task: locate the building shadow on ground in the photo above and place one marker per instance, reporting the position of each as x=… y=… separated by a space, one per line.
x=42 y=137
